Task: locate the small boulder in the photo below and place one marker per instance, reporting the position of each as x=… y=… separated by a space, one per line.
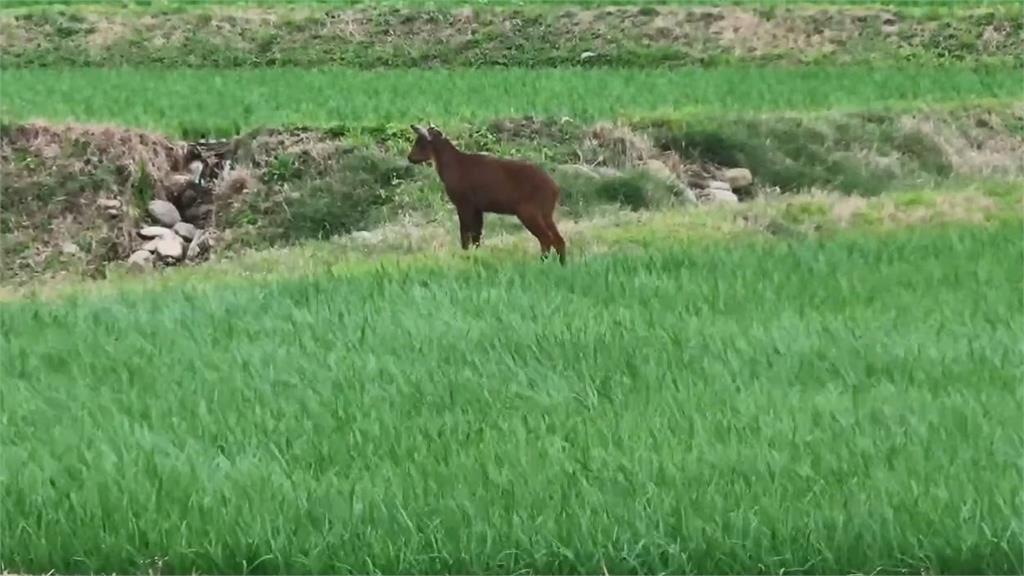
x=164 y=212
x=719 y=185
x=890 y=24
x=176 y=185
x=154 y=232
x=717 y=196
x=199 y=246
x=70 y=248
x=659 y=170
x=686 y=194
x=150 y=246
x=365 y=236
x=140 y=260
x=606 y=172
x=738 y=178
x=185 y=230
x=195 y=171
x=170 y=247
x=576 y=170
x=109 y=203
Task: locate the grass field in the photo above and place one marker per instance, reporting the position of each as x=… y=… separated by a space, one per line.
x=823 y=376
x=190 y=100
x=825 y=406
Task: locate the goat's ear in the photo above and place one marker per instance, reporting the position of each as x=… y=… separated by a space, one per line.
x=419 y=131
x=434 y=131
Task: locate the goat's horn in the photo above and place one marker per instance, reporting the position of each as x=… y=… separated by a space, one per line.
x=419 y=130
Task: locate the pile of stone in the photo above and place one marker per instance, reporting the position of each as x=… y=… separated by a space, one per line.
x=717 y=186
x=171 y=240
x=181 y=228
x=723 y=186
x=695 y=184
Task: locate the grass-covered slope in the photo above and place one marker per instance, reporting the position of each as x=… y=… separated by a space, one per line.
x=843 y=405
x=532 y=35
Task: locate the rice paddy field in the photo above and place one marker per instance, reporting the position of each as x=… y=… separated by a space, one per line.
x=823 y=377
x=845 y=406
x=227 y=102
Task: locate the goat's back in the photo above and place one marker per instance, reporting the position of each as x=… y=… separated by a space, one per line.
x=508 y=183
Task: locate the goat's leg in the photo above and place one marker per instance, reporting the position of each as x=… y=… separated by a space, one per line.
x=534 y=222
x=556 y=239
x=476 y=228
x=465 y=227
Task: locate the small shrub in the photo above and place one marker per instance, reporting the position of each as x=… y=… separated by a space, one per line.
x=330 y=207
x=926 y=152
x=633 y=190
x=142 y=189
x=346 y=193
x=284 y=168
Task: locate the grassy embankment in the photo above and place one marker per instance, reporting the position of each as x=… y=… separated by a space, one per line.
x=527 y=35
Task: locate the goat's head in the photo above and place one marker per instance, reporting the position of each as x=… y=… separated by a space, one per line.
x=425 y=146
x=422 y=149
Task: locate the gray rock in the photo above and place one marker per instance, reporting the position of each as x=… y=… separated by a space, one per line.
x=200 y=246
x=738 y=178
x=170 y=247
x=587 y=55
x=113 y=212
x=717 y=196
x=154 y=232
x=164 y=212
x=70 y=248
x=185 y=230
x=686 y=194
x=140 y=260
x=575 y=170
x=719 y=185
x=365 y=236
x=109 y=203
x=659 y=170
x=606 y=172
x=195 y=170
x=175 y=185
x=150 y=246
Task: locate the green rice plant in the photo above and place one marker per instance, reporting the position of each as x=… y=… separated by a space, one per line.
x=197 y=102
x=849 y=404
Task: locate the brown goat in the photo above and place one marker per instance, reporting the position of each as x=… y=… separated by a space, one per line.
x=479 y=183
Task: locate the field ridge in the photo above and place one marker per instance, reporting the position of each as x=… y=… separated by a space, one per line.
x=531 y=36
x=287 y=186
